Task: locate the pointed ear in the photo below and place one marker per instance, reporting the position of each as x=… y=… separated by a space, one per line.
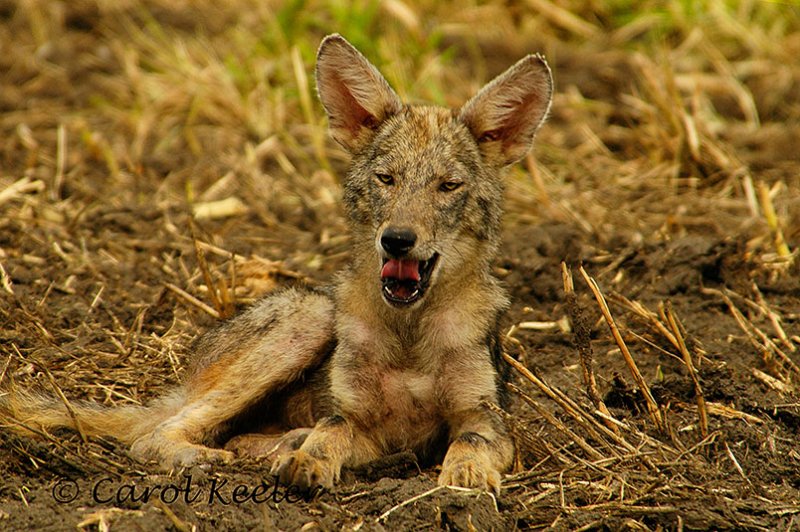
x=504 y=116
x=355 y=95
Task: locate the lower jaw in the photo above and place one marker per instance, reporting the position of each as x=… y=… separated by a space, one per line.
x=402 y=302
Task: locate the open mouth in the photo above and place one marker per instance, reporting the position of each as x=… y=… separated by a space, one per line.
x=405 y=280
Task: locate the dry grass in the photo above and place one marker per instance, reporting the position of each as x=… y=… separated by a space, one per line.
x=164 y=163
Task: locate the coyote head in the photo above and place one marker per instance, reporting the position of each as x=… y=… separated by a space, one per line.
x=424 y=192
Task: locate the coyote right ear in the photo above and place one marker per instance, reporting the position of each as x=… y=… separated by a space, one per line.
x=355 y=95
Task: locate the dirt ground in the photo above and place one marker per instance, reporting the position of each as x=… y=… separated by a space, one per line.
x=163 y=164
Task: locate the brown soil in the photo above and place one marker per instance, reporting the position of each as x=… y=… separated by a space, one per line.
x=99 y=228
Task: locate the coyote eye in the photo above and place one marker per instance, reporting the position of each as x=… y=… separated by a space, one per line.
x=449 y=186
x=386 y=179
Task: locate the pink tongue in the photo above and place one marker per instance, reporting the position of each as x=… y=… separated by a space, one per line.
x=401 y=269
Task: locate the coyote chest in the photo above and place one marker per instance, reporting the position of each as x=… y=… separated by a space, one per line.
x=399 y=399
x=406 y=391
x=405 y=401
x=401 y=404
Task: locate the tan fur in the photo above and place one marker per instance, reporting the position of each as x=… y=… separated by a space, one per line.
x=387 y=362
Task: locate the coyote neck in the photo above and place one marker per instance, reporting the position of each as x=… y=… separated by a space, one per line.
x=458 y=311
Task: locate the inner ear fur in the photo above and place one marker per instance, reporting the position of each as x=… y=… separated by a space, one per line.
x=355 y=95
x=505 y=115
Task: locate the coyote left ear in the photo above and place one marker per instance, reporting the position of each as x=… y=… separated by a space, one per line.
x=355 y=95
x=504 y=116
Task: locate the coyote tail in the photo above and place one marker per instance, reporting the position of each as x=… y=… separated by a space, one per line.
x=27 y=412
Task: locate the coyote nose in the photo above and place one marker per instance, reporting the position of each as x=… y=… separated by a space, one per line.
x=398 y=241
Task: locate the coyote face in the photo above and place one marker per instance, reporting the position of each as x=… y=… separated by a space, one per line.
x=424 y=190
x=424 y=200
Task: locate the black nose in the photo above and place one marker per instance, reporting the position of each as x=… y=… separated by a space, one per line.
x=397 y=241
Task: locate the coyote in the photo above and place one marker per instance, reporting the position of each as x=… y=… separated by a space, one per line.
x=403 y=352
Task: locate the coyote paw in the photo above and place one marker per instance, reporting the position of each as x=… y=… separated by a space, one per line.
x=469 y=473
x=300 y=469
x=172 y=454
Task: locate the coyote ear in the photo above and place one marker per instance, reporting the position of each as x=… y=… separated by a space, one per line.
x=355 y=95
x=504 y=116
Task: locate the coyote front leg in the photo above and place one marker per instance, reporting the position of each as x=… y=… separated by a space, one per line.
x=480 y=447
x=333 y=443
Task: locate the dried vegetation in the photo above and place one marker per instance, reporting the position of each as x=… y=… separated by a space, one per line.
x=164 y=163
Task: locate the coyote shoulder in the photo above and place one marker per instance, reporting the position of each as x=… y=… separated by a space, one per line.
x=403 y=353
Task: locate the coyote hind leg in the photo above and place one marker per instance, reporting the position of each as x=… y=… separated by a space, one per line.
x=267 y=447
x=237 y=365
